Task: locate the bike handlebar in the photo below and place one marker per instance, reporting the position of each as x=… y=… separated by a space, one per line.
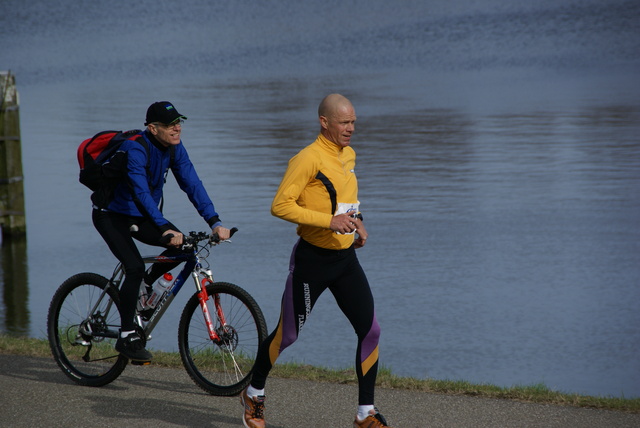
x=195 y=237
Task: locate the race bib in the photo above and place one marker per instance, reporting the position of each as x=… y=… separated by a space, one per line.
x=350 y=209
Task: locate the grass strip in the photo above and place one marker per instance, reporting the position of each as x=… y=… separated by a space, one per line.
x=537 y=393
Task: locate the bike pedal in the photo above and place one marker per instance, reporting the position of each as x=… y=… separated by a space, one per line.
x=140 y=363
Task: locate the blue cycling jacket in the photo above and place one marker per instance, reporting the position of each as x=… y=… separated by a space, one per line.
x=139 y=196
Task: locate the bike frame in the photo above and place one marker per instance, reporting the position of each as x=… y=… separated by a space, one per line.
x=192 y=267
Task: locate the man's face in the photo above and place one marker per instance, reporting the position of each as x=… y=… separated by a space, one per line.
x=168 y=135
x=339 y=127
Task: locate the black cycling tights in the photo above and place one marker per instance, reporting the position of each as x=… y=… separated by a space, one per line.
x=115 y=230
x=313 y=270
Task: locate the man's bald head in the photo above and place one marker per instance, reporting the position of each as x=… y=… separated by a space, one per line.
x=332 y=103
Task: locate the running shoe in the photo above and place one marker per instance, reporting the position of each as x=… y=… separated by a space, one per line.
x=253 y=410
x=374 y=420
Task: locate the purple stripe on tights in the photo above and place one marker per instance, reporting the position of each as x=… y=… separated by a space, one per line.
x=289 y=332
x=371 y=340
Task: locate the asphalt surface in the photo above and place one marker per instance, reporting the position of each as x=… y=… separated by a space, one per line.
x=35 y=393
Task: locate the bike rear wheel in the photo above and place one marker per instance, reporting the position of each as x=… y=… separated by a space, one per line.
x=222 y=368
x=83 y=325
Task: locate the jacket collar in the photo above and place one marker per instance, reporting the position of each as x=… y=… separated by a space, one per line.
x=150 y=138
x=329 y=145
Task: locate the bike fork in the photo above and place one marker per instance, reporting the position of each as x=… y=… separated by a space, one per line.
x=203 y=297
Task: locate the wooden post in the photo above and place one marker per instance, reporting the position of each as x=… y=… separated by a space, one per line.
x=14 y=283
x=12 y=213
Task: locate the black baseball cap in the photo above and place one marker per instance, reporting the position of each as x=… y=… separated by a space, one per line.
x=163 y=112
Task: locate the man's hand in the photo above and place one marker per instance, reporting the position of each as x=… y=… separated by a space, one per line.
x=361 y=239
x=176 y=239
x=344 y=223
x=223 y=233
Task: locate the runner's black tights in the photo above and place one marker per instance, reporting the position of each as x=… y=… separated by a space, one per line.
x=312 y=271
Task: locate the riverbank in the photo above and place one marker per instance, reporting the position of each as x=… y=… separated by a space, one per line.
x=34 y=392
x=538 y=394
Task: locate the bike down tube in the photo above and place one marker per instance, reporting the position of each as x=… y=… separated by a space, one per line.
x=171 y=293
x=162 y=307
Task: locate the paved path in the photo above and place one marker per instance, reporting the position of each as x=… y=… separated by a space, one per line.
x=35 y=393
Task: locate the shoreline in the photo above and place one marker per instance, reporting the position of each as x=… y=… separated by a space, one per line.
x=538 y=393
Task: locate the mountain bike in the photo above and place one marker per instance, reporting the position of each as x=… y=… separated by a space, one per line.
x=219 y=331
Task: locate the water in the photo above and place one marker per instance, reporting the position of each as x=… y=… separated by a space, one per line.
x=498 y=160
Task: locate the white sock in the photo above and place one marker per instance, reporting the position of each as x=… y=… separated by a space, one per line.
x=124 y=334
x=253 y=392
x=363 y=411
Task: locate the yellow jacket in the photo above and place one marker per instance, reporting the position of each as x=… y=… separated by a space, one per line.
x=319 y=182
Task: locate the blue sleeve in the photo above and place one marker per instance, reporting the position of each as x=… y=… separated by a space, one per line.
x=139 y=185
x=188 y=180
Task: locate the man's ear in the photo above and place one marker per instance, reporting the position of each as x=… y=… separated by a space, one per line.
x=324 y=122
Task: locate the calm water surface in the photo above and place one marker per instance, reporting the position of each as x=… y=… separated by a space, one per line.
x=498 y=161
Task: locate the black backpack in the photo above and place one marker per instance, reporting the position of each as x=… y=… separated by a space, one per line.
x=103 y=165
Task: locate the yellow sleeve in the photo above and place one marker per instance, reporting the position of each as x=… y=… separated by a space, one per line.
x=288 y=203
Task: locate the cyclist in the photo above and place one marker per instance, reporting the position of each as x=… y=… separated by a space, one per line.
x=319 y=193
x=136 y=200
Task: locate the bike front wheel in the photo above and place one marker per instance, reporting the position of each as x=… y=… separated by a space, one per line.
x=221 y=367
x=83 y=325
